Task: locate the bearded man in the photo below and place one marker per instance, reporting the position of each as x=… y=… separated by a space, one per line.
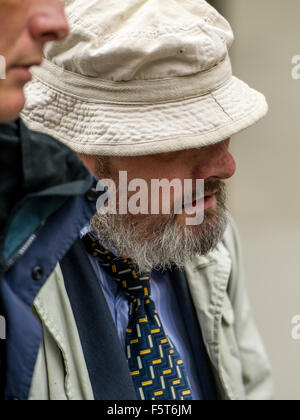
x=146 y=89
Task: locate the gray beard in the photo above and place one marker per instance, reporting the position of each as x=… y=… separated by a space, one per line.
x=159 y=242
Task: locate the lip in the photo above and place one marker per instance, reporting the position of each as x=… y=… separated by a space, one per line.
x=22 y=72
x=202 y=204
x=209 y=201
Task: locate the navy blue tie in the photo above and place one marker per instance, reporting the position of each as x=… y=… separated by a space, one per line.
x=155 y=366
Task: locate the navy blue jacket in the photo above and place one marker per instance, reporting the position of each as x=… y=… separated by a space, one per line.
x=46 y=197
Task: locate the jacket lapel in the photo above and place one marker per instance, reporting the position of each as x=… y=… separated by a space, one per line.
x=104 y=356
x=208 y=278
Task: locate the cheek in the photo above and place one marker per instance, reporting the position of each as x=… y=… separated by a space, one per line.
x=23 y=48
x=13 y=37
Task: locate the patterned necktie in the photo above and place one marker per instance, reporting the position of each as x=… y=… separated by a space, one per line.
x=155 y=366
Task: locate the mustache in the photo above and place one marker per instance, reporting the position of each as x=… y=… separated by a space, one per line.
x=217 y=185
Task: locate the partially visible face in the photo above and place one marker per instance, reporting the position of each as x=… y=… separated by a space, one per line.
x=25 y=26
x=163 y=240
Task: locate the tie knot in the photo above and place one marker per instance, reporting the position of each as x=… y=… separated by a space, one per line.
x=123 y=270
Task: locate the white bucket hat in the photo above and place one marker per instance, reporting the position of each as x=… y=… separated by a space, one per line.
x=138 y=77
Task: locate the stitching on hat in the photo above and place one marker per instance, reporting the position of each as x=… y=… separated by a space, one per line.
x=81 y=77
x=205 y=138
x=108 y=87
x=158 y=32
x=218 y=103
x=253 y=114
x=131 y=104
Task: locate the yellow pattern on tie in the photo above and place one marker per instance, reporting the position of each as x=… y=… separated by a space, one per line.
x=155 y=366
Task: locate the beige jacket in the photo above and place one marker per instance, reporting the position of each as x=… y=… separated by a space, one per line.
x=234 y=346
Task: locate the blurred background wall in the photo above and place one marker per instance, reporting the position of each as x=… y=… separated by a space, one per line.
x=264 y=193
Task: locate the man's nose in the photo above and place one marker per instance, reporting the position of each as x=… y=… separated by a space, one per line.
x=49 y=23
x=218 y=162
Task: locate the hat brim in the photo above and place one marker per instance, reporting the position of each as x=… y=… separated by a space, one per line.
x=133 y=130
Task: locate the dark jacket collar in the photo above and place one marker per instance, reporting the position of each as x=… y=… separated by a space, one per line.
x=37 y=175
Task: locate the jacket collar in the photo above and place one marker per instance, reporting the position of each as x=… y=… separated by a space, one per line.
x=38 y=174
